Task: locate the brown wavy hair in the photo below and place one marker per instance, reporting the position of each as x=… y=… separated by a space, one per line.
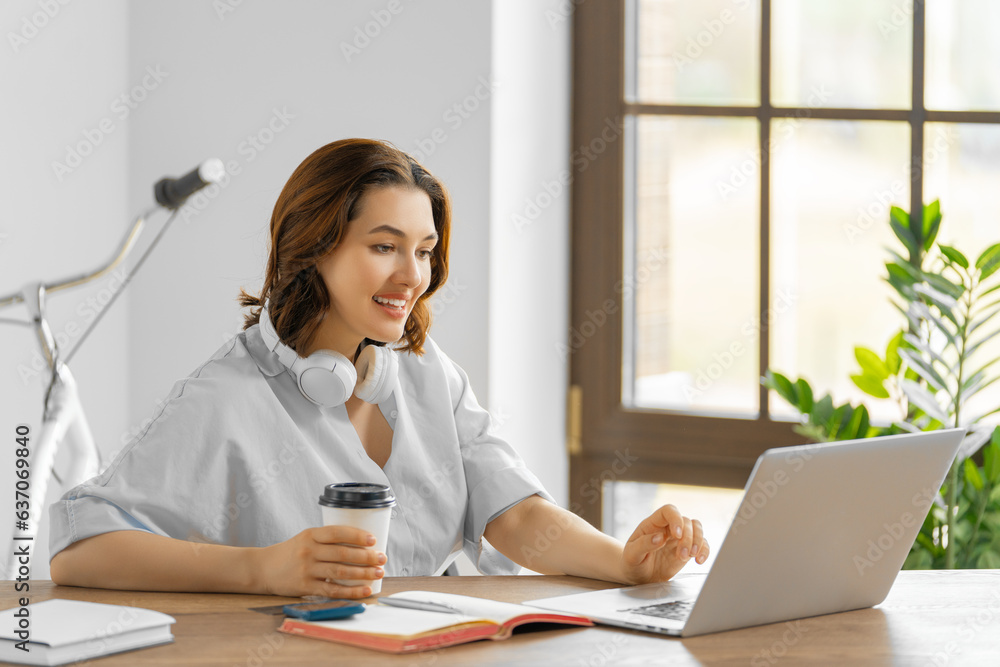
x=310 y=218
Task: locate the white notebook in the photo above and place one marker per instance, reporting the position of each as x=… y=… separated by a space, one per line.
x=65 y=631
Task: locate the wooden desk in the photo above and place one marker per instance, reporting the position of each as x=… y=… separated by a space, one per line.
x=929 y=618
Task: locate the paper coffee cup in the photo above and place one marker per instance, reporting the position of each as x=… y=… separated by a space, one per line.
x=363 y=505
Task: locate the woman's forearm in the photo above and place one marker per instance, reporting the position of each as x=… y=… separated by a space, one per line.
x=548 y=539
x=137 y=560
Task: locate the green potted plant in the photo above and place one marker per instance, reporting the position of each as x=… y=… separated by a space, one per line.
x=931 y=369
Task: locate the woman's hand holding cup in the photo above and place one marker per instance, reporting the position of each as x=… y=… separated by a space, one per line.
x=308 y=563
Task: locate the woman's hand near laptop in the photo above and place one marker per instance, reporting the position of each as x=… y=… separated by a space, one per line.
x=548 y=539
x=661 y=545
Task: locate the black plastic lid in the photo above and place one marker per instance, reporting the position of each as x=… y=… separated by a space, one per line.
x=357 y=495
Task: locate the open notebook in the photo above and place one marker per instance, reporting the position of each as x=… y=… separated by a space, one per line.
x=404 y=629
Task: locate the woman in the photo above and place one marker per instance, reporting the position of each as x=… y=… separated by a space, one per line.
x=220 y=492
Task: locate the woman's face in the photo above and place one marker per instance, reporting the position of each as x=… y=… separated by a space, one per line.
x=384 y=255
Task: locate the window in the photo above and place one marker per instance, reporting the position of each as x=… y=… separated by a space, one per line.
x=735 y=162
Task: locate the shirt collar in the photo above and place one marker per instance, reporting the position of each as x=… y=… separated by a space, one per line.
x=265 y=359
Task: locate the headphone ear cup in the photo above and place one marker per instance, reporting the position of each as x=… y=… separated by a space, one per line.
x=326 y=377
x=377 y=370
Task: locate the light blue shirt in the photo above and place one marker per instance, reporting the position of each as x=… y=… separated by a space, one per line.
x=236 y=455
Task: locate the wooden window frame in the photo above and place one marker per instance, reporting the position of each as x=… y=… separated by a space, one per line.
x=607 y=441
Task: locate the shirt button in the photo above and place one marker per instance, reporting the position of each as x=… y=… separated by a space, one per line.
x=393 y=515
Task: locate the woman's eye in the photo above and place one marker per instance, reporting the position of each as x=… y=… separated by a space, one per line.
x=426 y=254
x=383 y=248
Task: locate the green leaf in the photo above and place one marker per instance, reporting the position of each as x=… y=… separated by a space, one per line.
x=944 y=303
x=990 y=560
x=954 y=255
x=913 y=272
x=900 y=272
x=858 y=427
x=932 y=223
x=783 y=386
x=822 y=411
x=923 y=400
x=969 y=351
x=924 y=348
x=991 y=458
x=989 y=261
x=924 y=370
x=990 y=290
x=899 y=220
x=871 y=385
x=805 y=396
x=918 y=560
x=939 y=282
x=974 y=385
x=892 y=359
x=927 y=543
x=870 y=363
x=924 y=312
x=972 y=475
x=980 y=320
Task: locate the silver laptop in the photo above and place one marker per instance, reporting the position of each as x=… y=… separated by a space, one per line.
x=821 y=529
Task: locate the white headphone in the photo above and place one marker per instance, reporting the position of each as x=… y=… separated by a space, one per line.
x=328 y=378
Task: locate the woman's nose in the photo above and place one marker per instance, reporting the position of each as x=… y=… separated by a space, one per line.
x=408 y=273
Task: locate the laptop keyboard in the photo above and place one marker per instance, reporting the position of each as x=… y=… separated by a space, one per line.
x=678 y=610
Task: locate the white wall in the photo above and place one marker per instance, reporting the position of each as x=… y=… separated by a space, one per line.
x=209 y=80
x=59 y=75
x=529 y=233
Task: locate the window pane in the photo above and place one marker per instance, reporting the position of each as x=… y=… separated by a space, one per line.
x=833 y=184
x=696 y=265
x=962 y=169
x=962 y=55
x=841 y=53
x=705 y=52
